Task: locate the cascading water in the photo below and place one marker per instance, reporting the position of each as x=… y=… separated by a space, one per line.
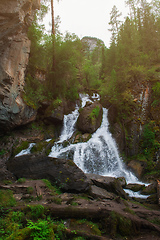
x=98 y=155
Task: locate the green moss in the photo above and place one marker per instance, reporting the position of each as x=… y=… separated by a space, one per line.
x=39 y=147
x=127 y=209
x=6 y=199
x=55 y=190
x=57 y=200
x=95 y=113
x=53 y=106
x=87 y=225
x=70 y=163
x=118 y=224
x=2 y=152
x=21 y=180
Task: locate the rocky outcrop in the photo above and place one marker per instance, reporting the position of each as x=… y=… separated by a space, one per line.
x=90 y=118
x=15 y=18
x=64 y=173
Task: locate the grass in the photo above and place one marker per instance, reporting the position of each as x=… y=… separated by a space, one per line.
x=55 y=190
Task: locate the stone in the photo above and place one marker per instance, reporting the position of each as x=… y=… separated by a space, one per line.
x=64 y=173
x=110 y=184
x=90 y=118
x=150 y=189
x=98 y=192
x=135 y=187
x=16 y=17
x=138 y=167
x=54 y=115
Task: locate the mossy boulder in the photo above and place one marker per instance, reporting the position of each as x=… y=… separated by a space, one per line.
x=90 y=118
x=135 y=187
x=55 y=112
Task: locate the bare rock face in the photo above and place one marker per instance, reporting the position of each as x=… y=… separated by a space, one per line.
x=15 y=18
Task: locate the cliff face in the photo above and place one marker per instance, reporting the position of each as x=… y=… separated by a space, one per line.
x=15 y=18
x=128 y=133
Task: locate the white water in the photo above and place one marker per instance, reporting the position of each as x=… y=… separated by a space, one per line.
x=99 y=155
x=136 y=194
x=26 y=151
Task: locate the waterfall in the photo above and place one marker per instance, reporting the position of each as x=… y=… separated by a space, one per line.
x=99 y=154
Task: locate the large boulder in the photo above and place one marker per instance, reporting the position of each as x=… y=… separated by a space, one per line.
x=15 y=16
x=110 y=184
x=64 y=173
x=90 y=118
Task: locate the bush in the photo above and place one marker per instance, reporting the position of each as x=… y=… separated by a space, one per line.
x=41 y=229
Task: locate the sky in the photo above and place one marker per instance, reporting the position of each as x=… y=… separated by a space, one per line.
x=86 y=17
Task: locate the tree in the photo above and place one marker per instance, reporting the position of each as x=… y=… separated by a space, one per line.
x=115 y=23
x=53 y=42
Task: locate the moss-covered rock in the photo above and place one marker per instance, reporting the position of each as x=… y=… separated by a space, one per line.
x=90 y=118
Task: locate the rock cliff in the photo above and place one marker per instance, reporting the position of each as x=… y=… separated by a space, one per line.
x=15 y=18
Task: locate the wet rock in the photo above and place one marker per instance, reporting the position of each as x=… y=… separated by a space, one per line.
x=150 y=189
x=135 y=187
x=64 y=173
x=138 y=167
x=110 y=184
x=122 y=181
x=90 y=118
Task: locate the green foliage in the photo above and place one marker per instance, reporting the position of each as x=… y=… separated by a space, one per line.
x=55 y=190
x=21 y=180
x=57 y=102
x=6 y=199
x=95 y=113
x=2 y=152
x=41 y=230
x=35 y=92
x=149 y=143
x=36 y=211
x=156 y=94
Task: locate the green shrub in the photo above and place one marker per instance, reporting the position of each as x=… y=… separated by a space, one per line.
x=41 y=230
x=36 y=211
